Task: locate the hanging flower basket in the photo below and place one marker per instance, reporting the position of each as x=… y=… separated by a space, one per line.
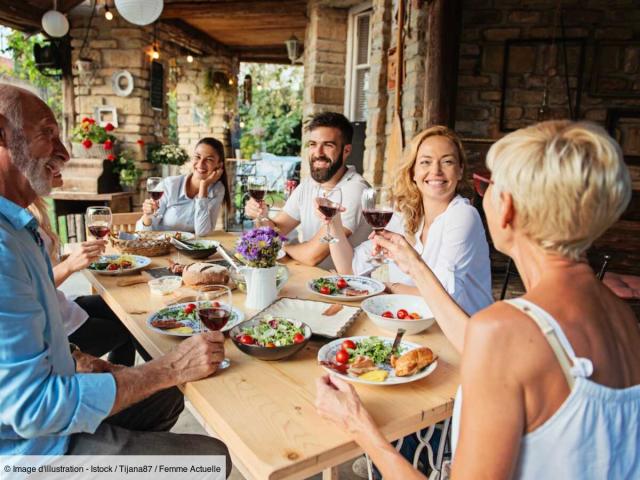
x=90 y=140
x=96 y=150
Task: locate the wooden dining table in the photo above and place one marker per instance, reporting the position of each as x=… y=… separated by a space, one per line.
x=264 y=411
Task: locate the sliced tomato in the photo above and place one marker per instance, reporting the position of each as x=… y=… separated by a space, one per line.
x=112 y=266
x=415 y=316
x=325 y=290
x=216 y=304
x=298 y=338
x=270 y=345
x=402 y=314
x=342 y=357
x=189 y=308
x=349 y=344
x=342 y=283
x=247 y=339
x=388 y=314
x=126 y=265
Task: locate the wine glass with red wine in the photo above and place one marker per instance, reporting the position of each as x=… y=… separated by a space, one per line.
x=257 y=186
x=329 y=202
x=377 y=208
x=214 y=310
x=155 y=188
x=98 y=221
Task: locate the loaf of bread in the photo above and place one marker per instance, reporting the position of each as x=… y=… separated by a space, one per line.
x=200 y=273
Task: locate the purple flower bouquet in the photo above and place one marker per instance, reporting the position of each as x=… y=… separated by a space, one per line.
x=259 y=247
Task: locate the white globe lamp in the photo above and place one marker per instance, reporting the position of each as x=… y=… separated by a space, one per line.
x=140 y=12
x=55 y=24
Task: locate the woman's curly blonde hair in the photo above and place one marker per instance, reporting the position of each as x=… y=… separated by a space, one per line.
x=407 y=196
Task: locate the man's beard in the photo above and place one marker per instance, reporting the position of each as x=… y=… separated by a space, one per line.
x=322 y=175
x=34 y=169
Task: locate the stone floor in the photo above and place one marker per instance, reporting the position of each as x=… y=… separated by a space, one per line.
x=187 y=423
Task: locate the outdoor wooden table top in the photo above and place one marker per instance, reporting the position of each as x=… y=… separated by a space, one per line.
x=264 y=411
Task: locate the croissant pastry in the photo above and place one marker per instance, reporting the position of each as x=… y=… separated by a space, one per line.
x=412 y=361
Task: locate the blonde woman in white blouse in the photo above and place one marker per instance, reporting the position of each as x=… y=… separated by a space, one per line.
x=192 y=202
x=443 y=227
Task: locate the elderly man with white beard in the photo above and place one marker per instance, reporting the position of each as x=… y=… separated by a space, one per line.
x=53 y=402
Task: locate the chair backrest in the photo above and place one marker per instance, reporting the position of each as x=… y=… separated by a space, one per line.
x=124 y=222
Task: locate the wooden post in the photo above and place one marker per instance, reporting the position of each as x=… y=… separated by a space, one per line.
x=68 y=97
x=445 y=23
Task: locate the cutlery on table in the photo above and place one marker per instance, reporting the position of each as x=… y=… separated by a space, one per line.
x=396 y=342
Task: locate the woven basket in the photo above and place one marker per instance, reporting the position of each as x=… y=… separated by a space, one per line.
x=149 y=244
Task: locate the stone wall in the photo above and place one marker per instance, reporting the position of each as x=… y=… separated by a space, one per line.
x=611 y=27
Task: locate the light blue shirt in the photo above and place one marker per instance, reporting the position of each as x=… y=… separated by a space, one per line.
x=179 y=212
x=42 y=399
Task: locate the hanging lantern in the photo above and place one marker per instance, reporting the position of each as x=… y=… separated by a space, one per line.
x=140 y=12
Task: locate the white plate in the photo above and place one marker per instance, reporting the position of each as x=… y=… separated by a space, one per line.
x=183 y=235
x=192 y=321
x=328 y=354
x=360 y=283
x=140 y=262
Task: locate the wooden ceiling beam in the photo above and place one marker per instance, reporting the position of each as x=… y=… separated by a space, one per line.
x=199 y=40
x=20 y=15
x=250 y=7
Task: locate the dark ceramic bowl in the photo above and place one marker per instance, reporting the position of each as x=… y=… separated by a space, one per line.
x=265 y=353
x=210 y=247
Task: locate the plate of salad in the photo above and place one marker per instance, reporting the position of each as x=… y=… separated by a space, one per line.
x=119 y=264
x=369 y=360
x=181 y=320
x=345 y=287
x=270 y=337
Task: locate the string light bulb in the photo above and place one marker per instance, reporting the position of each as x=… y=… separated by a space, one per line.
x=190 y=58
x=155 y=54
x=108 y=14
x=231 y=81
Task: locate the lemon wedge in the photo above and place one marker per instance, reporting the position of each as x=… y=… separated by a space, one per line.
x=182 y=330
x=375 y=376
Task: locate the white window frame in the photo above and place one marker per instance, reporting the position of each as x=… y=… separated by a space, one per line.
x=350 y=77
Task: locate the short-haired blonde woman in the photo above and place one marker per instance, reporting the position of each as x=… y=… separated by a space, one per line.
x=550 y=381
x=444 y=228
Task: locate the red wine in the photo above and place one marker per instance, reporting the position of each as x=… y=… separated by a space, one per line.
x=214 y=318
x=257 y=195
x=327 y=207
x=156 y=194
x=378 y=219
x=98 y=231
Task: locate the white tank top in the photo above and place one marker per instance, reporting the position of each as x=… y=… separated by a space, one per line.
x=595 y=434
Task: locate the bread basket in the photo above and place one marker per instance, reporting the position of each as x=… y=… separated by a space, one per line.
x=148 y=244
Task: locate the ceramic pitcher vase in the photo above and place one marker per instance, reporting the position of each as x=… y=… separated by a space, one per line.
x=261 y=287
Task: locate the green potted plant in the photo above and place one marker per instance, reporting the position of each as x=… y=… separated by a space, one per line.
x=90 y=140
x=128 y=172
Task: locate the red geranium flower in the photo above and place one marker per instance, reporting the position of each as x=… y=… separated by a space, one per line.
x=111 y=157
x=86 y=143
x=140 y=142
x=108 y=145
x=86 y=119
x=91 y=121
x=109 y=127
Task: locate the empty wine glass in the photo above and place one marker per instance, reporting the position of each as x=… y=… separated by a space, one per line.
x=214 y=309
x=155 y=188
x=257 y=186
x=98 y=221
x=329 y=202
x=377 y=208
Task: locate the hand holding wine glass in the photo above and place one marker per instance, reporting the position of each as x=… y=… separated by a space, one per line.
x=155 y=190
x=257 y=186
x=214 y=310
x=98 y=221
x=377 y=208
x=329 y=203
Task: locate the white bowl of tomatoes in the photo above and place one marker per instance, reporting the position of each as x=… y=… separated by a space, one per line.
x=394 y=311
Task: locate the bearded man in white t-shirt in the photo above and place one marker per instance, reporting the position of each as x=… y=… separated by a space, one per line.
x=328 y=147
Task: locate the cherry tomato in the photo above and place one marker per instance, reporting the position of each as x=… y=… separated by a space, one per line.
x=342 y=283
x=246 y=340
x=388 y=314
x=216 y=304
x=270 y=345
x=348 y=344
x=342 y=357
x=325 y=290
x=112 y=266
x=298 y=338
x=189 y=308
x=402 y=314
x=415 y=316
